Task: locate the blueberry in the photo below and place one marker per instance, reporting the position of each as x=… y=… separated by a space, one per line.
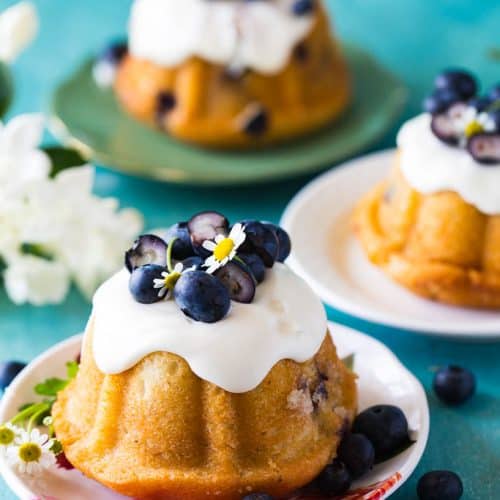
x=284 y=243
x=165 y=102
x=195 y=261
x=302 y=7
x=258 y=496
x=454 y=385
x=485 y=148
x=386 y=427
x=458 y=80
x=334 y=479
x=440 y=485
x=147 y=249
x=182 y=248
x=495 y=117
x=357 y=453
x=9 y=371
x=141 y=284
x=260 y=240
x=480 y=103
x=494 y=93
x=238 y=280
x=114 y=52
x=202 y=297
x=440 y=100
x=206 y=226
x=257 y=123
x=254 y=262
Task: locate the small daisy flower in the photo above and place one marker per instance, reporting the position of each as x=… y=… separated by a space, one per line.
x=223 y=248
x=168 y=279
x=31 y=452
x=473 y=122
x=8 y=435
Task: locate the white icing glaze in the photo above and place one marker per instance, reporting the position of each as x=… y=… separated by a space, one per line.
x=431 y=166
x=285 y=321
x=259 y=35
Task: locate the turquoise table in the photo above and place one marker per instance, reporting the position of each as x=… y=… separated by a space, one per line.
x=415 y=38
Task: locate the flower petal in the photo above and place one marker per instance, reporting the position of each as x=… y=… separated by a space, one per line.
x=209 y=245
x=18 y=27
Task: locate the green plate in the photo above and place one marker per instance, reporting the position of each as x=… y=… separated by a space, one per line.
x=6 y=88
x=90 y=119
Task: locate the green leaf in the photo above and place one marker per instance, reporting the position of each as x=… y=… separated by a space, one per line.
x=51 y=387
x=6 y=88
x=72 y=368
x=37 y=250
x=349 y=361
x=63 y=158
x=25 y=407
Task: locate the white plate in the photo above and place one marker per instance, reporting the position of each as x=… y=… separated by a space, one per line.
x=327 y=255
x=382 y=379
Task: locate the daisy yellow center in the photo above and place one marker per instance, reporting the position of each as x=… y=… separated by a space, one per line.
x=473 y=128
x=172 y=279
x=30 y=452
x=223 y=249
x=7 y=436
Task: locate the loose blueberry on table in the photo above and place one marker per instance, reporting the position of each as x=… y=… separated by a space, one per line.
x=454 y=385
x=440 y=485
x=205 y=263
x=9 y=371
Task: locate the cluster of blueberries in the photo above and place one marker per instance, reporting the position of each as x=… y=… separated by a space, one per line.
x=462 y=117
x=380 y=433
x=202 y=296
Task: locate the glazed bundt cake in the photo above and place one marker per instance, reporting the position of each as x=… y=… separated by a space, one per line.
x=434 y=224
x=172 y=402
x=232 y=74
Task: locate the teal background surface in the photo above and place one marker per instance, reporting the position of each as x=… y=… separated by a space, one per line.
x=414 y=38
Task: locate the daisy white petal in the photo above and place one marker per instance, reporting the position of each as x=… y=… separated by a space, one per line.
x=209 y=245
x=178 y=268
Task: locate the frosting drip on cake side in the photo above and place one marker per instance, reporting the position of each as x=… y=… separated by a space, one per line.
x=258 y=35
x=430 y=166
x=285 y=321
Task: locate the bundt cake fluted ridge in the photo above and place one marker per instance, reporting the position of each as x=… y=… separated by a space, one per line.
x=158 y=431
x=437 y=245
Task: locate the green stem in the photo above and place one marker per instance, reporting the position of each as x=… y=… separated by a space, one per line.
x=170 y=247
x=27 y=413
x=35 y=416
x=240 y=260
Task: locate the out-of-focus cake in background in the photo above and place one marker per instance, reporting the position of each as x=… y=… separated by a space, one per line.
x=232 y=73
x=434 y=224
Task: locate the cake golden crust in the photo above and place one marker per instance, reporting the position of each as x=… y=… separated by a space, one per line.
x=211 y=107
x=157 y=431
x=438 y=246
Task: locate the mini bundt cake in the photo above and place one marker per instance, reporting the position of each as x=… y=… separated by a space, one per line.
x=191 y=399
x=232 y=74
x=434 y=224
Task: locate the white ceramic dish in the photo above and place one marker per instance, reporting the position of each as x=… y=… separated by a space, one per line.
x=328 y=256
x=382 y=379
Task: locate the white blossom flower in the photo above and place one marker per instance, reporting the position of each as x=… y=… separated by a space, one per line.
x=18 y=27
x=167 y=282
x=36 y=280
x=31 y=453
x=223 y=248
x=83 y=235
x=21 y=160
